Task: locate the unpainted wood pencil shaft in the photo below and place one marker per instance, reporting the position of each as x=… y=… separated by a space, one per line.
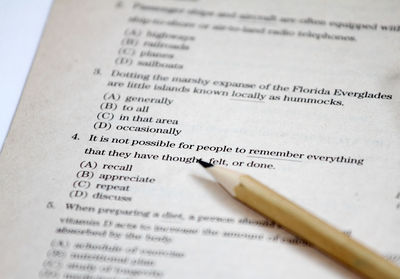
x=322 y=235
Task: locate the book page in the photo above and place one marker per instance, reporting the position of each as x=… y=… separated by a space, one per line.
x=98 y=174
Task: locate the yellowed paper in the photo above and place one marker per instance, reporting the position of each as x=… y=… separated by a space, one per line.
x=98 y=175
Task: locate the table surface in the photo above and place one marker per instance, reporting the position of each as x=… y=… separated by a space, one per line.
x=21 y=26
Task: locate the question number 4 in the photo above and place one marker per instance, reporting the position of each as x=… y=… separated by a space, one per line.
x=75 y=137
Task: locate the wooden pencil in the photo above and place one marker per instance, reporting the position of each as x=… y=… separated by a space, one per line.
x=303 y=224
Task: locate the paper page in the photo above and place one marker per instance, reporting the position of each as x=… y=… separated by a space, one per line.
x=98 y=175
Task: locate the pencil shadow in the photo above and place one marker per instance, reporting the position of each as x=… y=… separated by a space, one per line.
x=221 y=196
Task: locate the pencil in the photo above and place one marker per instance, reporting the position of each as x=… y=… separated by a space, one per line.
x=303 y=224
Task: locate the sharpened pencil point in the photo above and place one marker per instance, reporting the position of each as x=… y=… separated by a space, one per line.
x=204 y=164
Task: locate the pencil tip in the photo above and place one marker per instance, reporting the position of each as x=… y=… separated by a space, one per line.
x=204 y=164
